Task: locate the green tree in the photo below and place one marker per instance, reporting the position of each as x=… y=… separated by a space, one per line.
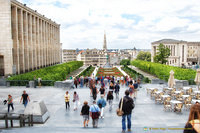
x=162 y=54
x=125 y=62
x=146 y=56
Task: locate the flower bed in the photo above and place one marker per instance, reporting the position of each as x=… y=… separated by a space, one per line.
x=109 y=72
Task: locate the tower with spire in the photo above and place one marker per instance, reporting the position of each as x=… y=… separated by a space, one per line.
x=105 y=43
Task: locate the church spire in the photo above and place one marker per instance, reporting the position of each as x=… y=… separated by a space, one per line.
x=105 y=43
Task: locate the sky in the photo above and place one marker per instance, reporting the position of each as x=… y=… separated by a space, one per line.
x=127 y=23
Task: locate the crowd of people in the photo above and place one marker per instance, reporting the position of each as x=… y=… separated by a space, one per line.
x=108 y=90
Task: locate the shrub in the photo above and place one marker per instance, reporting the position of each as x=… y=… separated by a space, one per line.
x=52 y=73
x=162 y=71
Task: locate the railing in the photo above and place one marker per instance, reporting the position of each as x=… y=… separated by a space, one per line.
x=26 y=83
x=23 y=119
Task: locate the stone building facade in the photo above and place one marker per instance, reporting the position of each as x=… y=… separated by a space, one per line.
x=182 y=53
x=28 y=40
x=69 y=55
x=93 y=57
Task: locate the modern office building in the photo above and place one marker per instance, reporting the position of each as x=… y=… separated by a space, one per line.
x=28 y=40
x=182 y=53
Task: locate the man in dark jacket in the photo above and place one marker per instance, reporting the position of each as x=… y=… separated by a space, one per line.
x=127 y=108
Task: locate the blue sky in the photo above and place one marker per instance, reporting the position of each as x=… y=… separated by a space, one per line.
x=128 y=23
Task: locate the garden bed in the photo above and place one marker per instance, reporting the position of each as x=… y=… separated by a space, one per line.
x=109 y=72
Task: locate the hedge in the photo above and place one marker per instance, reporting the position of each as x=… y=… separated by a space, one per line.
x=133 y=74
x=53 y=73
x=162 y=71
x=88 y=71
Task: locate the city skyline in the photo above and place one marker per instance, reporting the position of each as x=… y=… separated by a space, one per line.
x=127 y=23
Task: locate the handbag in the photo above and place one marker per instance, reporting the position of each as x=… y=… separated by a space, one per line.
x=119 y=110
x=95 y=115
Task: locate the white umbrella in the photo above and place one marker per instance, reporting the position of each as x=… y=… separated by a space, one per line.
x=197 y=78
x=171 y=81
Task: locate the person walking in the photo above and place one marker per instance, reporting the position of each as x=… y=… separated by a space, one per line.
x=110 y=100
x=39 y=82
x=94 y=113
x=111 y=88
x=127 y=107
x=94 y=92
x=117 y=88
x=25 y=98
x=75 y=82
x=102 y=91
x=85 y=113
x=131 y=89
x=102 y=104
x=67 y=98
x=193 y=123
x=10 y=103
x=75 y=100
x=135 y=88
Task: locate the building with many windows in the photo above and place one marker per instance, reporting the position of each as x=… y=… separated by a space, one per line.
x=182 y=53
x=69 y=55
x=93 y=57
x=28 y=40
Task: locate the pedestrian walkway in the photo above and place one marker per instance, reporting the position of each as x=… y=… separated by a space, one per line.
x=76 y=72
x=145 y=74
x=146 y=116
x=122 y=71
x=94 y=73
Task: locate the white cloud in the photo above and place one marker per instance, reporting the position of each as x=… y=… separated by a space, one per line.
x=83 y=22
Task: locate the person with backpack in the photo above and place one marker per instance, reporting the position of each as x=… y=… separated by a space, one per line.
x=127 y=107
x=94 y=91
x=94 y=113
x=101 y=103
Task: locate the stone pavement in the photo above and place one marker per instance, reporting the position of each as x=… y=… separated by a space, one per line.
x=146 y=114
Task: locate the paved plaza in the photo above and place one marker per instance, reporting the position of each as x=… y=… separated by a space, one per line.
x=146 y=115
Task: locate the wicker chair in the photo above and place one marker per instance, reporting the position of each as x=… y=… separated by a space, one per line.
x=178 y=107
x=188 y=103
x=153 y=94
x=189 y=91
x=198 y=96
x=179 y=97
x=167 y=105
x=172 y=93
x=158 y=98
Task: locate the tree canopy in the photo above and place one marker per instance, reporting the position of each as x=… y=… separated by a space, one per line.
x=162 y=54
x=142 y=55
x=125 y=62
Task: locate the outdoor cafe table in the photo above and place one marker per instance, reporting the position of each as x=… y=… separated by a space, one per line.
x=194 y=101
x=164 y=96
x=177 y=92
x=185 y=96
x=197 y=92
x=173 y=102
x=158 y=92
x=169 y=88
x=186 y=88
